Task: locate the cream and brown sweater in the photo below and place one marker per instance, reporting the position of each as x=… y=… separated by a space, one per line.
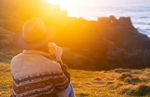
x=35 y=74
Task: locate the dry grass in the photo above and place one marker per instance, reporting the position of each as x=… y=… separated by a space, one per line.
x=5 y=80
x=95 y=83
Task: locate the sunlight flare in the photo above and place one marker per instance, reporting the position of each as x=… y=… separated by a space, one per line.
x=64 y=4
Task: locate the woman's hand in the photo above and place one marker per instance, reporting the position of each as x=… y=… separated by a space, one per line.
x=58 y=53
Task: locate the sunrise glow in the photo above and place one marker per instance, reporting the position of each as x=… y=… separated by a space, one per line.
x=64 y=4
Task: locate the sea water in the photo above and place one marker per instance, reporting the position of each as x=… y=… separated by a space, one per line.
x=138 y=10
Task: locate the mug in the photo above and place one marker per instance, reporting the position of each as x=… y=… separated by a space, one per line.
x=51 y=47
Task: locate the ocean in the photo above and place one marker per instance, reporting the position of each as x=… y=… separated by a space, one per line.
x=137 y=10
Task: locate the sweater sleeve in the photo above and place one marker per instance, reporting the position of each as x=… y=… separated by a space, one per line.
x=64 y=68
x=61 y=80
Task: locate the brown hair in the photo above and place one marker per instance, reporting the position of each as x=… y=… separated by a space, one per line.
x=43 y=48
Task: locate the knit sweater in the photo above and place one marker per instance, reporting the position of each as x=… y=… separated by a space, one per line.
x=35 y=74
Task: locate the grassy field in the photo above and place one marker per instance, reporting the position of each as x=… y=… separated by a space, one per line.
x=113 y=83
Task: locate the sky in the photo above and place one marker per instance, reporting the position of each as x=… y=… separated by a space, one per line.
x=67 y=3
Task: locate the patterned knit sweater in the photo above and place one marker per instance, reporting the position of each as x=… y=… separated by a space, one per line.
x=35 y=74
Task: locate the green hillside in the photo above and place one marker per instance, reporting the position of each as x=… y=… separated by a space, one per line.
x=114 y=83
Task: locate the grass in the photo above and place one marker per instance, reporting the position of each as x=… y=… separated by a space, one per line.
x=5 y=80
x=113 y=83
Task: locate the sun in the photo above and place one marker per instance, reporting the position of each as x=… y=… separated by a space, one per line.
x=64 y=4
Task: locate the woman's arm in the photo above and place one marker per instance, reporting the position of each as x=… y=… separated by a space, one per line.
x=64 y=69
